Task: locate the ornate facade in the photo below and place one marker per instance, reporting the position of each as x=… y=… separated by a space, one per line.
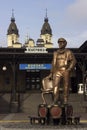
x=45 y=39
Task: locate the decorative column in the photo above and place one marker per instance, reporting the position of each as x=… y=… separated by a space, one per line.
x=14 y=97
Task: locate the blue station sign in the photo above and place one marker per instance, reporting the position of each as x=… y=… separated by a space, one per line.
x=35 y=66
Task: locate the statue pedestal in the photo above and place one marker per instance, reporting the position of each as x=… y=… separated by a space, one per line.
x=55 y=114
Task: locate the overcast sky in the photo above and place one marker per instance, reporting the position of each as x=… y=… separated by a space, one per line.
x=67 y=18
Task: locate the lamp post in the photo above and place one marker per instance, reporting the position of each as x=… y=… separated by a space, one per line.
x=13 y=91
x=14 y=99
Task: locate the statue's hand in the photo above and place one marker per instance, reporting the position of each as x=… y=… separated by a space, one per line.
x=68 y=71
x=50 y=77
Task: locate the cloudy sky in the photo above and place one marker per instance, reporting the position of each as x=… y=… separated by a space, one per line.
x=67 y=18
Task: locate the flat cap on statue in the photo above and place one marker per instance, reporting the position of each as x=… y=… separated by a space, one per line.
x=62 y=40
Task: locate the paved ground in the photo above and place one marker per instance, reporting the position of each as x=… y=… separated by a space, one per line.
x=20 y=121
x=24 y=117
x=27 y=126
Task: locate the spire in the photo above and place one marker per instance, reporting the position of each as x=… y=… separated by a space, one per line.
x=46 y=12
x=12 y=18
x=46 y=29
x=12 y=27
x=46 y=18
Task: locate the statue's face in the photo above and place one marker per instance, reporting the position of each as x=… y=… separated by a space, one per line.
x=62 y=45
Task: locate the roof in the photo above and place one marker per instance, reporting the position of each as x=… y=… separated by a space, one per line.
x=46 y=29
x=12 y=28
x=40 y=40
x=83 y=47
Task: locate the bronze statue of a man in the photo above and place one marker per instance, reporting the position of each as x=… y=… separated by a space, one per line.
x=62 y=64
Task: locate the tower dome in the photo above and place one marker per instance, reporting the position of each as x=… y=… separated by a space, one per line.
x=12 y=32
x=12 y=27
x=46 y=33
x=46 y=29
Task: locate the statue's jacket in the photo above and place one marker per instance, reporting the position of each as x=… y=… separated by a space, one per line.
x=63 y=60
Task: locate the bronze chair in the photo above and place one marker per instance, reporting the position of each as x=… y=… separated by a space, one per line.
x=47 y=88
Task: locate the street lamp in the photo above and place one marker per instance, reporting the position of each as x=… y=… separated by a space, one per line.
x=4 y=68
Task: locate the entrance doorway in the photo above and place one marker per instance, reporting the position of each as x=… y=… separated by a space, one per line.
x=33 y=80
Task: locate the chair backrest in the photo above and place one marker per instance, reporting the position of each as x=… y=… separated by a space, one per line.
x=47 y=84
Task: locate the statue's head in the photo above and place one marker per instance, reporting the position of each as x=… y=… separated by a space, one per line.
x=62 y=42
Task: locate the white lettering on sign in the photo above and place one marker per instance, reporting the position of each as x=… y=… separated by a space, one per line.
x=36 y=50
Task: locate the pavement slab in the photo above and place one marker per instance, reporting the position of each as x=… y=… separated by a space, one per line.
x=28 y=126
x=20 y=121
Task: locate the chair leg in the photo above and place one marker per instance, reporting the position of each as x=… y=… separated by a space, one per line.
x=44 y=101
x=52 y=96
